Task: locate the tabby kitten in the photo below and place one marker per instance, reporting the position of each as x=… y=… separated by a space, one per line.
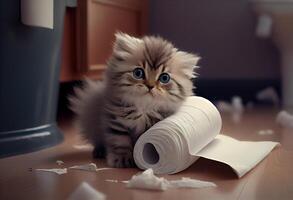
x=146 y=81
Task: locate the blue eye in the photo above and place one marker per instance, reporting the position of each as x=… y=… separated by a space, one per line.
x=164 y=78
x=138 y=73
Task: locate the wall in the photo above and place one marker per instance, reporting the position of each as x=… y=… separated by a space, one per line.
x=222 y=32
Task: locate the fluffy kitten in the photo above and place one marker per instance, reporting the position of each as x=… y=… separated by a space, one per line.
x=146 y=81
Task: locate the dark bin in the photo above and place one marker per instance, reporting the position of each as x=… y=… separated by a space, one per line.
x=29 y=81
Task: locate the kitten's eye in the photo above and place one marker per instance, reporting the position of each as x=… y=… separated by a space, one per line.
x=164 y=78
x=138 y=73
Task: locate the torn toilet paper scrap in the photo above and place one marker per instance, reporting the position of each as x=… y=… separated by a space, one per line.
x=58 y=171
x=268 y=94
x=112 y=180
x=86 y=167
x=147 y=180
x=115 y=181
x=224 y=106
x=83 y=146
x=235 y=108
x=236 y=105
x=285 y=119
x=86 y=192
x=266 y=132
x=186 y=182
x=59 y=162
x=104 y=168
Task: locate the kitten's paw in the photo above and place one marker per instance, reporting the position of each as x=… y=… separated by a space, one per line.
x=120 y=161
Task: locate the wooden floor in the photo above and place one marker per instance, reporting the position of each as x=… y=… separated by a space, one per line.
x=271 y=179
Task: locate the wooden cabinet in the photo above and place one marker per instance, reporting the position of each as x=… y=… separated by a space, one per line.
x=89 y=34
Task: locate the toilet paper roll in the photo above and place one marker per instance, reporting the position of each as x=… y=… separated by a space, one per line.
x=166 y=147
x=38 y=13
x=176 y=142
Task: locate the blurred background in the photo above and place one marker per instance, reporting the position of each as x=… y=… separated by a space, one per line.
x=235 y=60
x=47 y=47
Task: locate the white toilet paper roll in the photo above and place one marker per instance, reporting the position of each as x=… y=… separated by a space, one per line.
x=173 y=144
x=168 y=145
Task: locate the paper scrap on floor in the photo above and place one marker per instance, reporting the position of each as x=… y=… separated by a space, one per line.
x=285 y=119
x=87 y=147
x=104 y=168
x=112 y=180
x=58 y=171
x=147 y=180
x=86 y=192
x=115 y=181
x=86 y=167
x=176 y=142
x=59 y=162
x=268 y=94
x=236 y=105
x=266 y=132
x=235 y=108
x=186 y=182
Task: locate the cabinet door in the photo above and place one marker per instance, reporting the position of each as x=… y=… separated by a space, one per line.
x=69 y=70
x=97 y=22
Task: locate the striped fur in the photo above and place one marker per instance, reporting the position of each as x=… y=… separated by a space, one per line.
x=112 y=114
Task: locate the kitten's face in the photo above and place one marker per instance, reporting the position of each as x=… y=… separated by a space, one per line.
x=151 y=68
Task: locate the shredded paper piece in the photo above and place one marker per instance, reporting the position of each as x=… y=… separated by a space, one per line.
x=58 y=171
x=236 y=105
x=266 y=132
x=147 y=180
x=224 y=106
x=124 y=181
x=191 y=183
x=235 y=108
x=83 y=147
x=115 y=181
x=86 y=192
x=105 y=168
x=59 y=162
x=112 y=181
x=285 y=119
x=268 y=94
x=86 y=167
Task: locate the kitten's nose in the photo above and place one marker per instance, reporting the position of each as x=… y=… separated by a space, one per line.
x=150 y=87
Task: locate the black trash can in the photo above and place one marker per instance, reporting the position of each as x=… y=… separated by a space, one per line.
x=29 y=81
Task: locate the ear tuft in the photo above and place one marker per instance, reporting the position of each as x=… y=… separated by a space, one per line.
x=125 y=43
x=188 y=63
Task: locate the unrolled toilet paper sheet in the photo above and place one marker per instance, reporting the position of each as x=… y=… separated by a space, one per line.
x=241 y=156
x=175 y=143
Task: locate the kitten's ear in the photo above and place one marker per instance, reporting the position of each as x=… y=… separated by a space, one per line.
x=125 y=44
x=188 y=63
